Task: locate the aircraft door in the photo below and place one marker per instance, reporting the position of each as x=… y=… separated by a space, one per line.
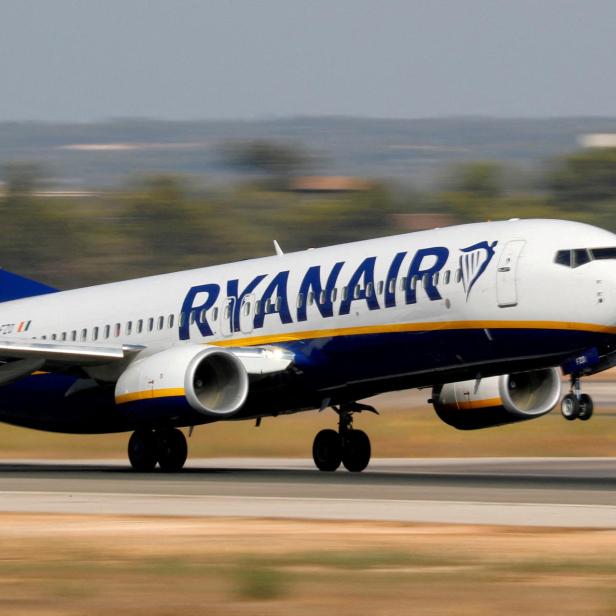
x=506 y=291
x=226 y=316
x=247 y=313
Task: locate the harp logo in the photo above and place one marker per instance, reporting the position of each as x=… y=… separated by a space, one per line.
x=473 y=263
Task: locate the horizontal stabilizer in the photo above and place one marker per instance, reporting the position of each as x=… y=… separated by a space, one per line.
x=13 y=287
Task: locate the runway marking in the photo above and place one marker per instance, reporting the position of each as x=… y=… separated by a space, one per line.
x=432 y=511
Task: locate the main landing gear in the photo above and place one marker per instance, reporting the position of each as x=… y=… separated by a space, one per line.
x=347 y=446
x=576 y=405
x=165 y=447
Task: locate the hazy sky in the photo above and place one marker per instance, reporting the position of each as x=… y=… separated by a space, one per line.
x=180 y=59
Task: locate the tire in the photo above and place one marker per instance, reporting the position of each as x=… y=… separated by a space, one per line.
x=142 y=451
x=586 y=407
x=356 y=451
x=570 y=407
x=171 y=450
x=327 y=450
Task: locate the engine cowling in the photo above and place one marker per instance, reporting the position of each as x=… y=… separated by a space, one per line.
x=213 y=381
x=498 y=400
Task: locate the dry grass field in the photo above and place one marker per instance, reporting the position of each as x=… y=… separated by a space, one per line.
x=75 y=565
x=407 y=427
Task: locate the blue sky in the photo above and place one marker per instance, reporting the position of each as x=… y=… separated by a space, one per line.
x=67 y=60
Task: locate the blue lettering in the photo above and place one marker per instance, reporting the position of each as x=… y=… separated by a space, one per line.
x=415 y=270
x=361 y=287
x=233 y=291
x=392 y=275
x=312 y=282
x=274 y=300
x=191 y=312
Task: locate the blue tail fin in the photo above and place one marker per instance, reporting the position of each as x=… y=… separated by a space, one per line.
x=13 y=286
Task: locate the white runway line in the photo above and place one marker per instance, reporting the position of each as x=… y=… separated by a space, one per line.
x=456 y=512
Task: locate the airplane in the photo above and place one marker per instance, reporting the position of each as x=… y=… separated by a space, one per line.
x=486 y=315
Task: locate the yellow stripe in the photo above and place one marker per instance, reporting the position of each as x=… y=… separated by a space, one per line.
x=148 y=394
x=412 y=327
x=474 y=404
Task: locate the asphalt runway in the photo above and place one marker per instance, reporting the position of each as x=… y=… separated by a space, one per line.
x=563 y=492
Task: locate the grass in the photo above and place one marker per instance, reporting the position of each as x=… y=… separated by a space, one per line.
x=95 y=565
x=405 y=428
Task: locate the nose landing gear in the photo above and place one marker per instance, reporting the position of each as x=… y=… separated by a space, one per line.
x=576 y=405
x=348 y=446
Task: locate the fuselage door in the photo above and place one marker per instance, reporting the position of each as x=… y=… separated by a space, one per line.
x=247 y=313
x=506 y=292
x=226 y=316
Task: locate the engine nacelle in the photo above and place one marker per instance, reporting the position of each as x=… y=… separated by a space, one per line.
x=497 y=400
x=212 y=380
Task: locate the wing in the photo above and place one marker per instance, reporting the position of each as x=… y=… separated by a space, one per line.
x=22 y=357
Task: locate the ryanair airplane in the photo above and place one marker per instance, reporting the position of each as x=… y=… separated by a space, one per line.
x=486 y=315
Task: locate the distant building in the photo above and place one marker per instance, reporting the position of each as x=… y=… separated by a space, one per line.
x=329 y=184
x=598 y=140
x=421 y=222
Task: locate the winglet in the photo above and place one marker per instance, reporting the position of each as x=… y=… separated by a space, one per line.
x=278 y=249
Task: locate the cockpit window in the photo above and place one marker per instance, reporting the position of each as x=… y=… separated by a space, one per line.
x=581 y=256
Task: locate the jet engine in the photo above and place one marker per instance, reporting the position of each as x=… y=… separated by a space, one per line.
x=213 y=381
x=498 y=400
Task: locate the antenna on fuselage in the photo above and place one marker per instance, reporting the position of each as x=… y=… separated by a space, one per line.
x=278 y=249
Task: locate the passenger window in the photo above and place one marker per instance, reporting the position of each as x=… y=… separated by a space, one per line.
x=380 y=287
x=246 y=309
x=192 y=318
x=369 y=289
x=215 y=314
x=202 y=316
x=95 y=333
x=53 y=336
x=161 y=321
x=278 y=303
x=107 y=331
x=323 y=297
x=334 y=294
x=310 y=298
x=129 y=328
x=391 y=286
x=413 y=283
x=63 y=336
x=425 y=281
x=139 y=326
x=446 y=277
x=258 y=307
x=435 y=279
x=356 y=290
x=151 y=324
x=226 y=312
x=345 y=293
x=117 y=329
x=458 y=275
x=74 y=335
x=43 y=337
x=171 y=319
x=300 y=300
x=84 y=335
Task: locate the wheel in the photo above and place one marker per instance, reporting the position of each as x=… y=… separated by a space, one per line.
x=171 y=450
x=142 y=451
x=586 y=407
x=570 y=407
x=356 y=451
x=327 y=450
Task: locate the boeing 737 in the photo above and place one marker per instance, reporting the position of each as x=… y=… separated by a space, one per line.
x=486 y=315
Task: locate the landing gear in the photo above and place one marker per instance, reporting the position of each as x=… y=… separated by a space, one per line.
x=347 y=446
x=576 y=405
x=166 y=447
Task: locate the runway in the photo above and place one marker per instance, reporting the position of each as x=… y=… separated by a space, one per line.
x=563 y=492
